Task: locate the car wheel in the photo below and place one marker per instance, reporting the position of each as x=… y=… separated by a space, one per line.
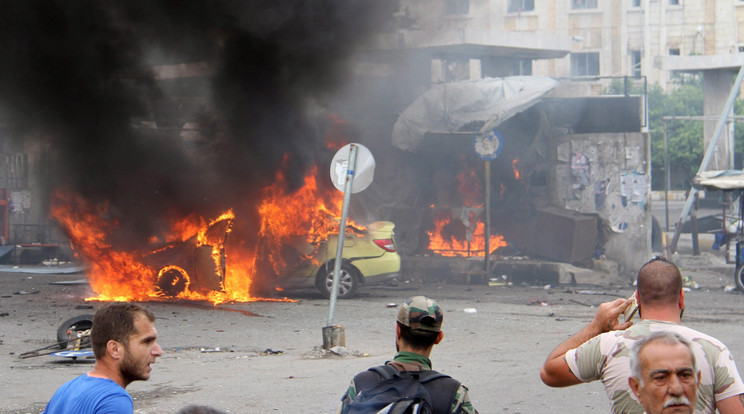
x=171 y=281
x=740 y=278
x=348 y=281
x=67 y=333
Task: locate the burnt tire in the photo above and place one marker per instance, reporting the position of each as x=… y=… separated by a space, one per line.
x=67 y=331
x=739 y=277
x=171 y=281
x=348 y=281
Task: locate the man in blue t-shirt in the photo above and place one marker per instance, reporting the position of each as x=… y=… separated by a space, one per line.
x=123 y=338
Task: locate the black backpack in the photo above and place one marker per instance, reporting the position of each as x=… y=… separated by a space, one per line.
x=400 y=392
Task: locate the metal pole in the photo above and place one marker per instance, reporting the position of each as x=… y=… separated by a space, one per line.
x=342 y=231
x=708 y=154
x=488 y=217
x=694 y=228
x=667 y=178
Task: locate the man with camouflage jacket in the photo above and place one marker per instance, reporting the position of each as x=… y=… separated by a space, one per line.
x=602 y=349
x=418 y=329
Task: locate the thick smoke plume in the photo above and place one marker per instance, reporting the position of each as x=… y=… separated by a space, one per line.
x=74 y=74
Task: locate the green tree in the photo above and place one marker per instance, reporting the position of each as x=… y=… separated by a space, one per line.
x=739 y=134
x=684 y=138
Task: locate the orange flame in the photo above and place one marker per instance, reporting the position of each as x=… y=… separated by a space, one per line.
x=515 y=162
x=309 y=213
x=115 y=276
x=449 y=238
x=447 y=243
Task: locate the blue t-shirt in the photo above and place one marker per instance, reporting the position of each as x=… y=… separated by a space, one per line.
x=90 y=395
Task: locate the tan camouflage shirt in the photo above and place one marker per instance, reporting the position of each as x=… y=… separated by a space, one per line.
x=410 y=361
x=606 y=357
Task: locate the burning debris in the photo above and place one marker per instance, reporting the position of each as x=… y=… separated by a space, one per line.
x=460 y=231
x=192 y=261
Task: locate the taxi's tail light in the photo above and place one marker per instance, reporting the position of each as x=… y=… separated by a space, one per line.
x=386 y=244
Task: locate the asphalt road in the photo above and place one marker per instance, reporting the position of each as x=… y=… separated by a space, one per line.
x=267 y=356
x=673 y=210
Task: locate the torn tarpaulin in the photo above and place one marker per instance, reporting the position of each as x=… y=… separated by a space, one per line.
x=448 y=107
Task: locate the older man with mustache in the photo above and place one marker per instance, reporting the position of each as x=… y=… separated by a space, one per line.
x=665 y=376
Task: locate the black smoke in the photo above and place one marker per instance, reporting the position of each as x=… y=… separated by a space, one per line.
x=74 y=75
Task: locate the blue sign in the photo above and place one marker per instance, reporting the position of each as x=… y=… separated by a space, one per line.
x=489 y=145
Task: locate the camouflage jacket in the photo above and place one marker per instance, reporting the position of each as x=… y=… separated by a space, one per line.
x=606 y=357
x=410 y=361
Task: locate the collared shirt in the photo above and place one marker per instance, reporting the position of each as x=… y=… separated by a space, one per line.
x=606 y=357
x=412 y=361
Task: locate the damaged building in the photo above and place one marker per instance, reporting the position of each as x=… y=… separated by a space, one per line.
x=571 y=184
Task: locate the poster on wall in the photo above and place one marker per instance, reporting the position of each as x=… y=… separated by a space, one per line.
x=20 y=201
x=580 y=169
x=633 y=188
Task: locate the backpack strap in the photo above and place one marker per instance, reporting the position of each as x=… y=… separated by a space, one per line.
x=386 y=371
x=442 y=392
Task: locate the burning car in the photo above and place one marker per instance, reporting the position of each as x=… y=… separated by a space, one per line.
x=194 y=259
x=369 y=257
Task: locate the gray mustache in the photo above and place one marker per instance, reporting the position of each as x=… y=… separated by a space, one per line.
x=676 y=401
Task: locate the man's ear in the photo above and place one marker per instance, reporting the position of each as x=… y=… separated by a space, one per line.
x=682 y=299
x=114 y=349
x=635 y=385
x=397 y=331
x=440 y=336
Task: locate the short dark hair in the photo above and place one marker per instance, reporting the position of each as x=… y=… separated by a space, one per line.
x=659 y=282
x=417 y=338
x=115 y=320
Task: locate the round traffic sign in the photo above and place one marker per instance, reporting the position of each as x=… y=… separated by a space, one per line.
x=362 y=173
x=489 y=145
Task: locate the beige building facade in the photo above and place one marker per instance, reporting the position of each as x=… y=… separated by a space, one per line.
x=608 y=37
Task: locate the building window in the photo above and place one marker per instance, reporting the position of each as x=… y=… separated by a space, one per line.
x=635 y=3
x=674 y=52
x=457 y=6
x=674 y=2
x=522 y=67
x=635 y=63
x=585 y=64
x=516 y=6
x=585 y=4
